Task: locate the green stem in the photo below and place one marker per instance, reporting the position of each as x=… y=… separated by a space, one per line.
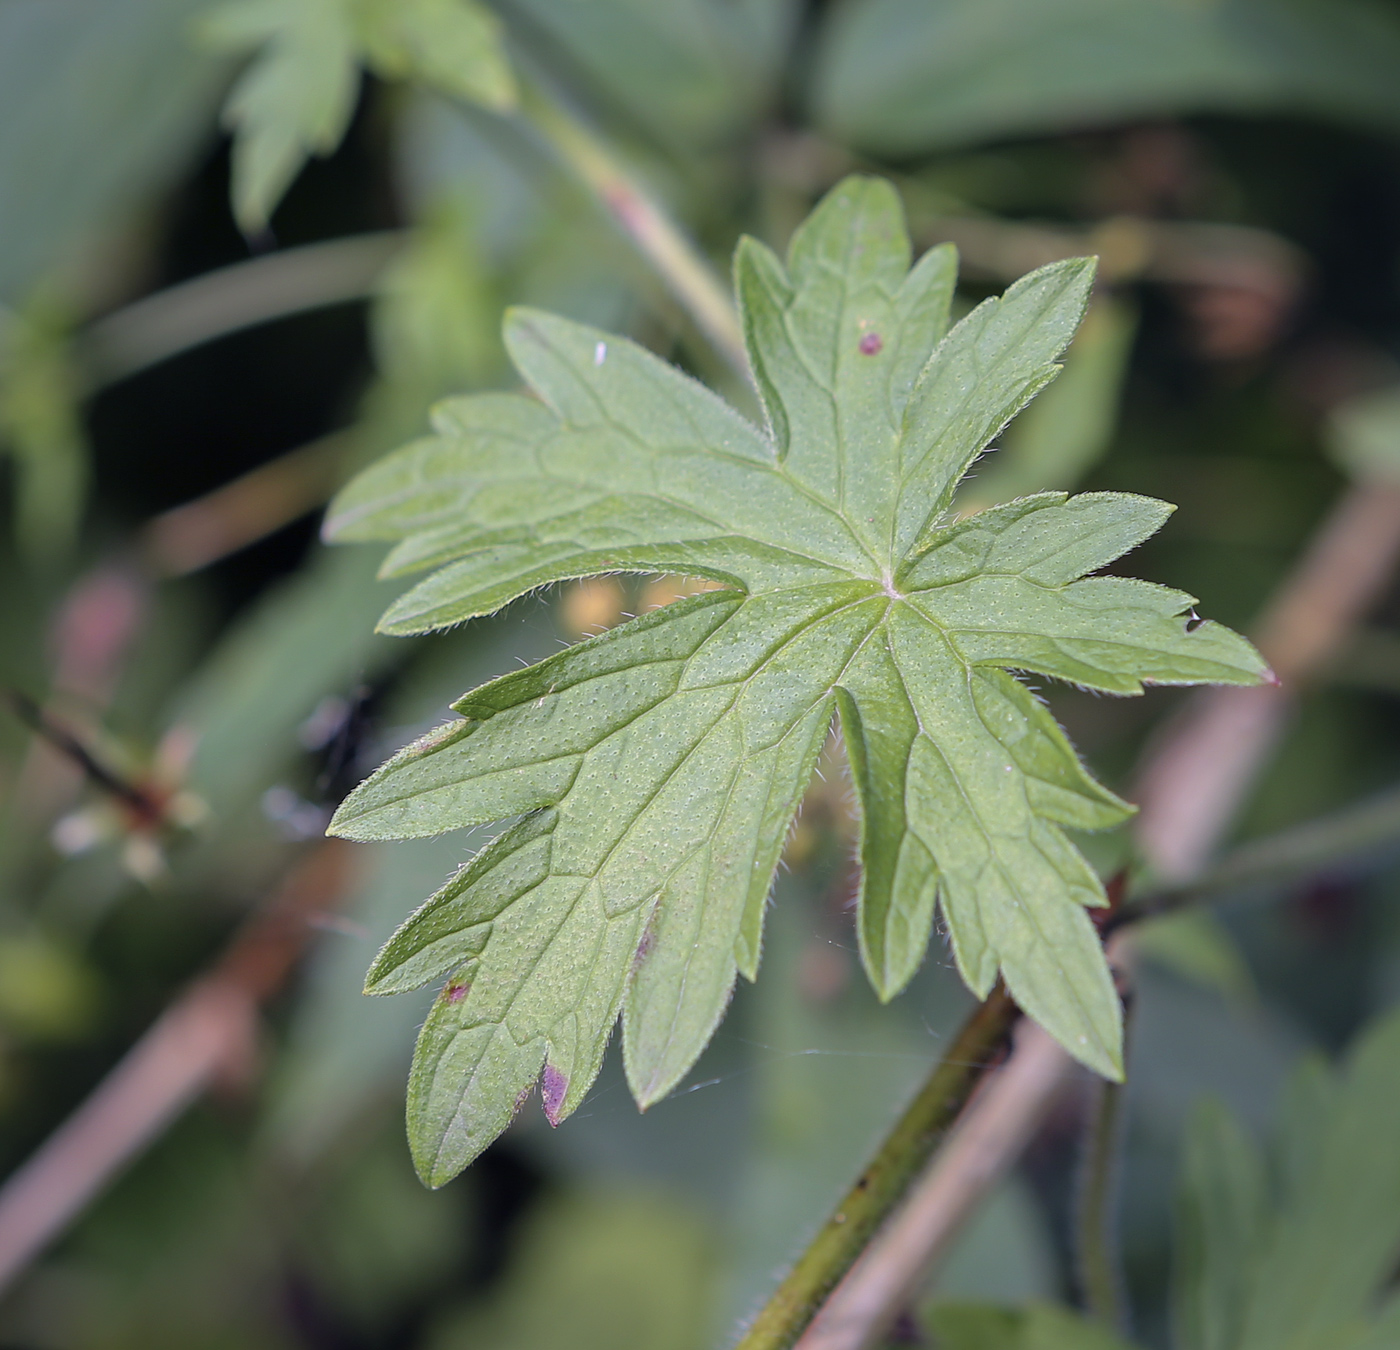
x=231 y=299
x=676 y=259
x=1371 y=827
x=1096 y=1220
x=879 y=1188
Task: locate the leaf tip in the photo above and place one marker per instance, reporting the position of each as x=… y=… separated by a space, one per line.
x=554 y=1089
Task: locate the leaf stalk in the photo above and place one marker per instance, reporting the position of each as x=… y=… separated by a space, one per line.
x=879 y=1187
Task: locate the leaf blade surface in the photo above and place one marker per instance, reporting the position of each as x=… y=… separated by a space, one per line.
x=654 y=771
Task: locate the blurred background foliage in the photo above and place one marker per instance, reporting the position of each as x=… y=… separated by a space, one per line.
x=181 y=387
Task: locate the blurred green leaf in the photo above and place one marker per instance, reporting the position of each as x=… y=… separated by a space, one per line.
x=452 y=45
x=1220 y=1217
x=1335 y=1238
x=101 y=105
x=1196 y=945
x=691 y=71
x=902 y=76
x=376 y=1242
x=435 y=323
x=46 y=991
x=1301 y=1269
x=41 y=428
x=296 y=96
x=1364 y=435
x=971 y=1326
x=597 y=1273
x=1040 y=1326
x=1384 y=1332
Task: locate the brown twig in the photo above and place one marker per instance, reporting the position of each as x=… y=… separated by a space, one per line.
x=139 y=800
x=206 y=1032
x=1186 y=253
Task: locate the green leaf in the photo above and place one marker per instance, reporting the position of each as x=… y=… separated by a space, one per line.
x=1195 y=945
x=41 y=427
x=657 y=768
x=692 y=72
x=1336 y=1238
x=1364 y=435
x=453 y=45
x=101 y=107
x=1066 y=431
x=975 y=1326
x=1051 y=1328
x=296 y=97
x=1219 y=1225
x=1384 y=1333
x=1303 y=1268
x=902 y=77
x=595 y=1272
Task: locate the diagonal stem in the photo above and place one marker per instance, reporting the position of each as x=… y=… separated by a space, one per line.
x=879 y=1187
x=1096 y=1210
x=678 y=262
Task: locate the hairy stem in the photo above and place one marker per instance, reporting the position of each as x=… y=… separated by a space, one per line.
x=879 y=1187
x=986 y=1141
x=678 y=262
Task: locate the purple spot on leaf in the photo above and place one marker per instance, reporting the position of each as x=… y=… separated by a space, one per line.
x=872 y=344
x=455 y=993
x=644 y=946
x=554 y=1087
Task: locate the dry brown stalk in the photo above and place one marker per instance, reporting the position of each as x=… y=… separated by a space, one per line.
x=205 y=1035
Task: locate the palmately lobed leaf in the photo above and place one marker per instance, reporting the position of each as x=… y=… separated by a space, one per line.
x=654 y=771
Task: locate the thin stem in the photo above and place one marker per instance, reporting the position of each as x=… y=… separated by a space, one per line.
x=1096 y=1210
x=208 y=1031
x=879 y=1187
x=1347 y=837
x=200 y=532
x=986 y=1141
x=230 y=299
x=676 y=259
